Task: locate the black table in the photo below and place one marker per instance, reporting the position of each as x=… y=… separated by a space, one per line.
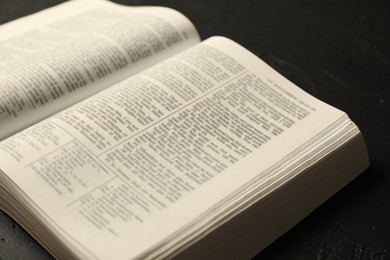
x=337 y=50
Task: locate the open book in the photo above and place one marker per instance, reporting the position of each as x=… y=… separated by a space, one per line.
x=123 y=136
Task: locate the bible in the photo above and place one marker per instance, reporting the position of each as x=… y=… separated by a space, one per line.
x=124 y=136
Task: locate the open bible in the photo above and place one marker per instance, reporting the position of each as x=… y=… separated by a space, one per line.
x=123 y=136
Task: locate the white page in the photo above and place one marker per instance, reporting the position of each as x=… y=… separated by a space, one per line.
x=278 y=116
x=237 y=175
x=77 y=49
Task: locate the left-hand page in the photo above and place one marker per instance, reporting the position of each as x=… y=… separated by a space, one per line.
x=59 y=56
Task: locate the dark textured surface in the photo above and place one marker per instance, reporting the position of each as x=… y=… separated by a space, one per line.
x=339 y=51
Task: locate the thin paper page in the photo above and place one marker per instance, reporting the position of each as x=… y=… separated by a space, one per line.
x=286 y=118
x=77 y=49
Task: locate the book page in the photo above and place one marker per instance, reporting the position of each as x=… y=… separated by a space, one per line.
x=64 y=54
x=123 y=170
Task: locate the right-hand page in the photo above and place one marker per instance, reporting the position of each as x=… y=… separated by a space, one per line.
x=234 y=137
